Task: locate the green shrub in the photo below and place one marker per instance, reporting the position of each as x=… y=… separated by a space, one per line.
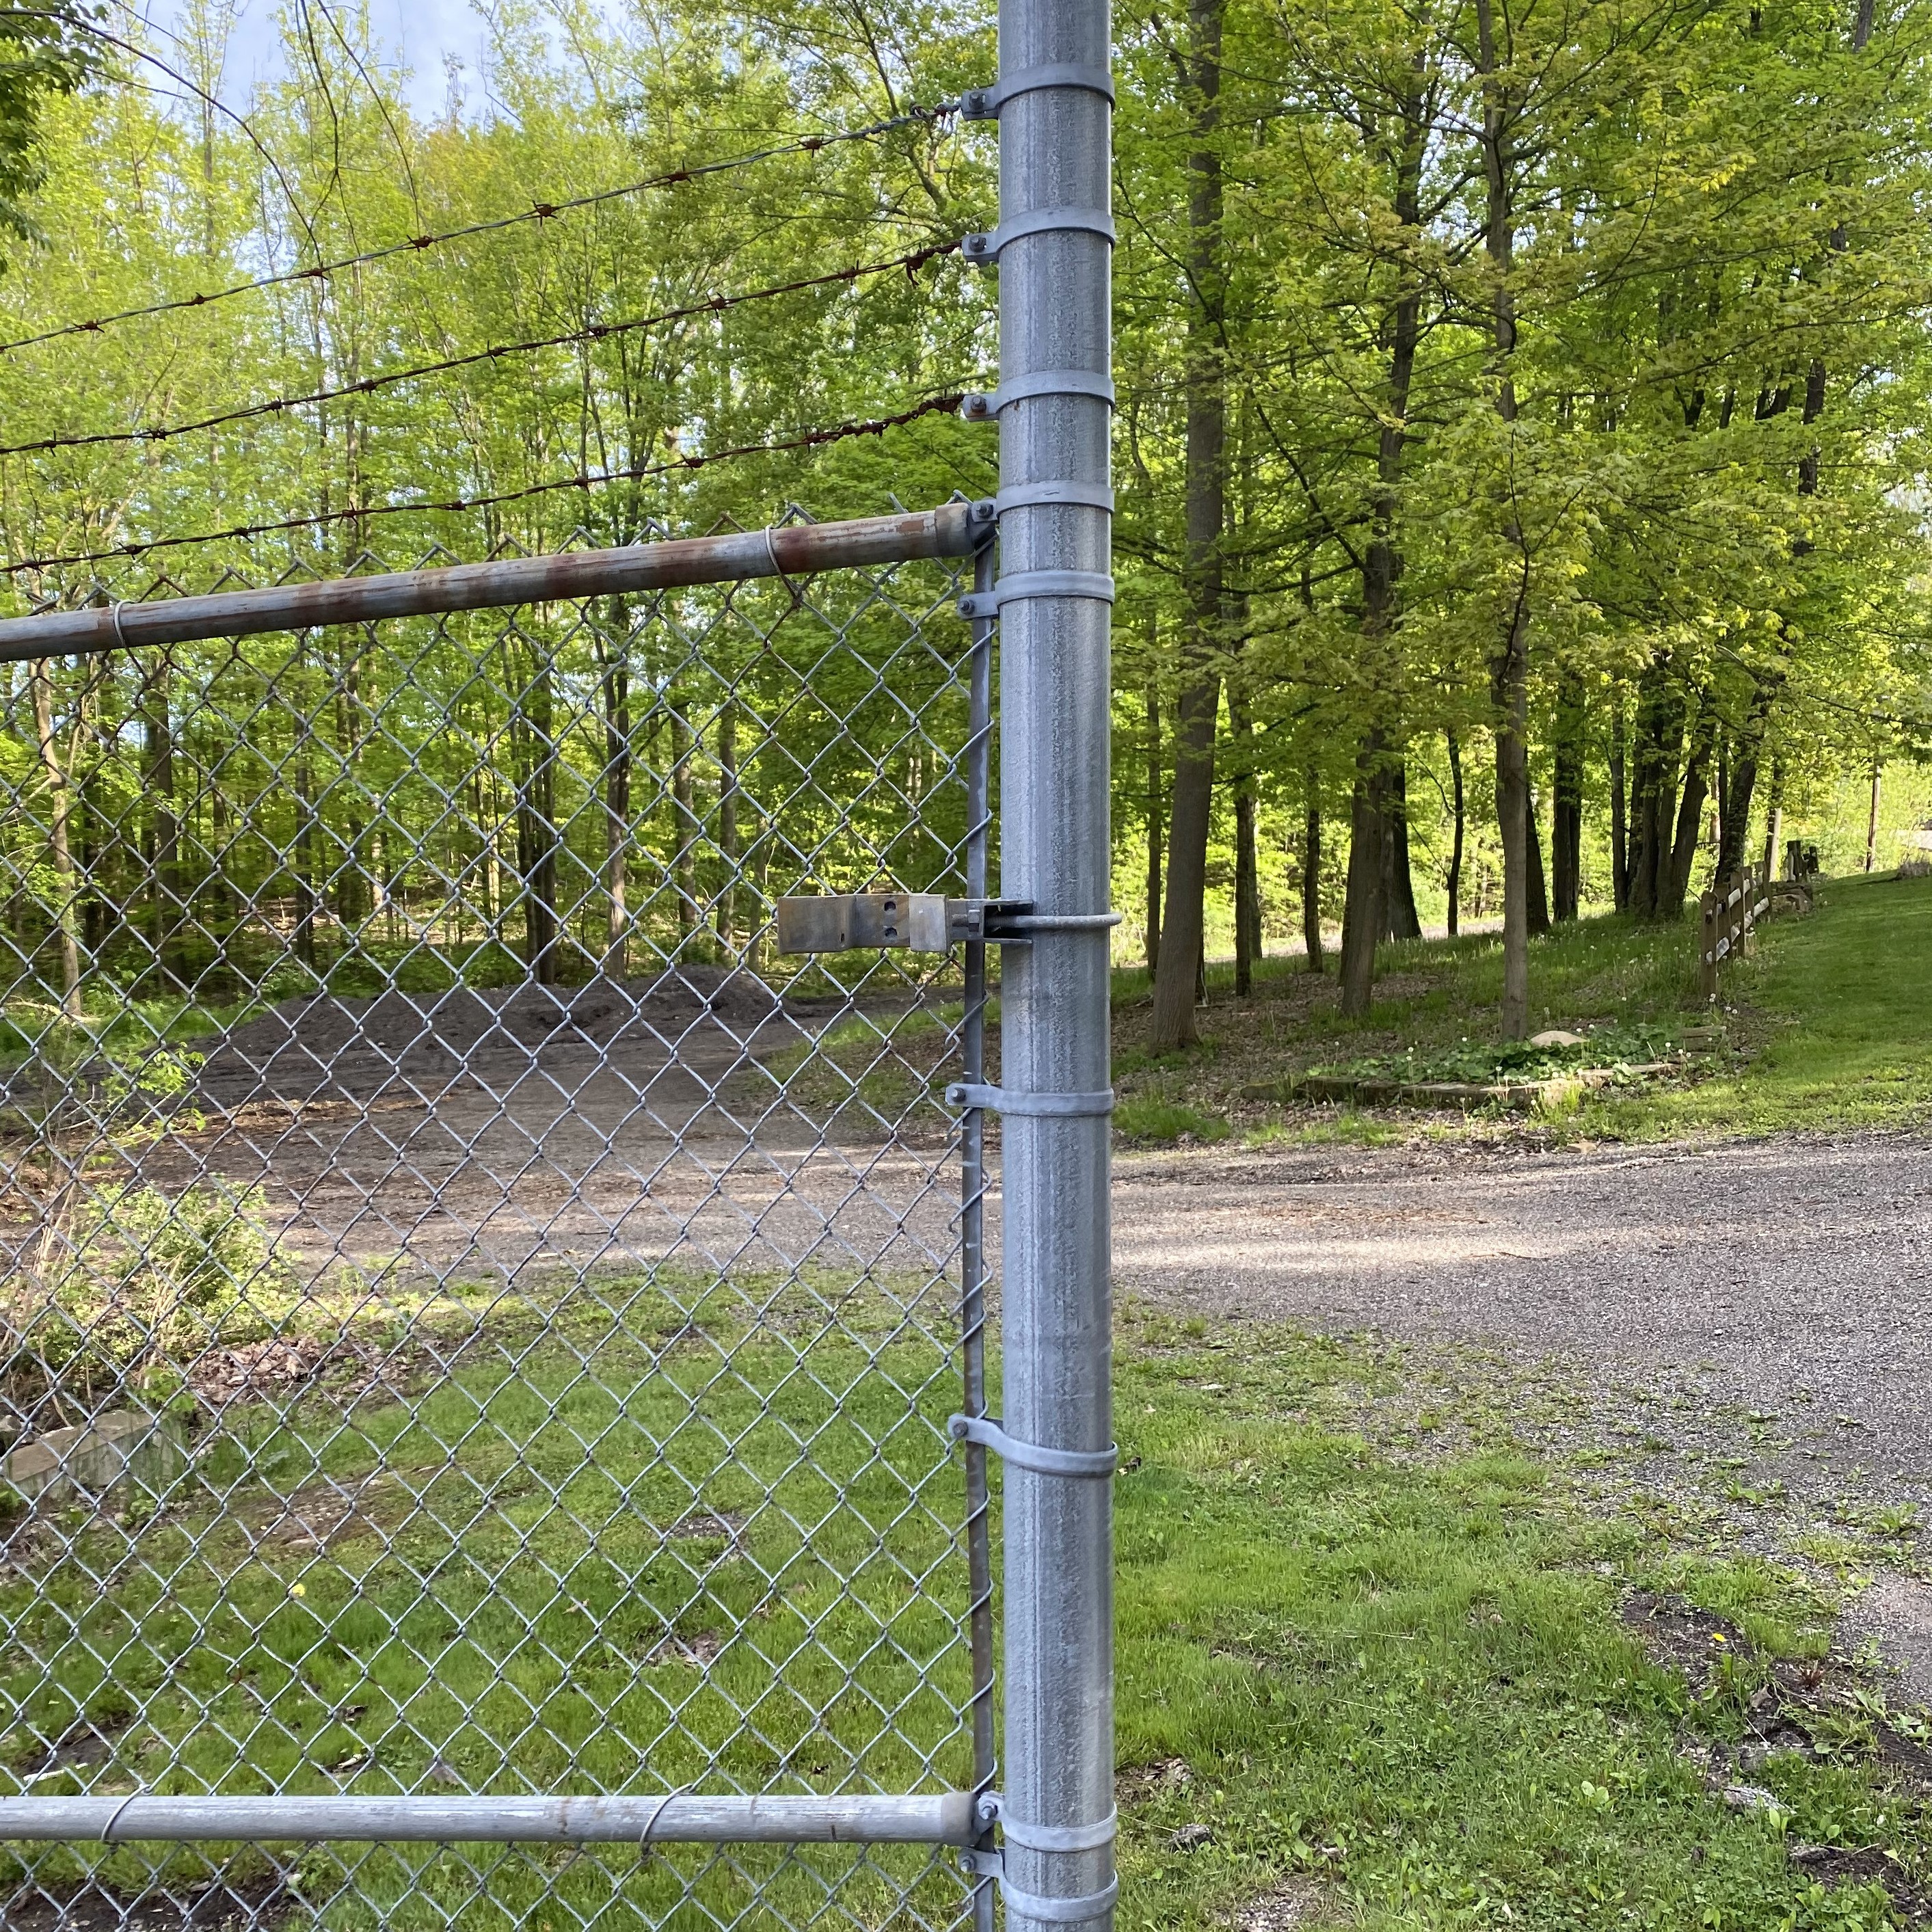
x=136 y=1284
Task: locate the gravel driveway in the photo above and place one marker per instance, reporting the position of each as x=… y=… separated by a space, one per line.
x=1772 y=1298
x=1791 y=1276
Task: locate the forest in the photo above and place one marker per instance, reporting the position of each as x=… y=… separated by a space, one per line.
x=1520 y=453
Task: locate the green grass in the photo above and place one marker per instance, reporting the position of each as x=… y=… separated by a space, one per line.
x=1412 y=1683
x=1163 y=1120
x=1828 y=1025
x=654 y=1537
x=1832 y=1020
x=1408 y=1682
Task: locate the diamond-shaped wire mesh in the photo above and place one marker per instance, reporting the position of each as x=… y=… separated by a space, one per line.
x=472 y=1317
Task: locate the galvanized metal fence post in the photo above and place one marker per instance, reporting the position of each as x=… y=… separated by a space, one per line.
x=1055 y=103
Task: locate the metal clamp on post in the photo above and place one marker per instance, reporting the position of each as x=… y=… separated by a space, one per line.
x=1039 y=1106
x=1027 y=923
x=981 y=406
x=1062 y=1837
x=1060 y=1911
x=1035 y=1905
x=982 y=251
x=983 y=103
x=986 y=1432
x=1030 y=495
x=1094 y=584
x=977 y=605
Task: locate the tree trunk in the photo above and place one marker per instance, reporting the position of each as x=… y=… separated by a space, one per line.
x=615 y=686
x=221 y=885
x=1746 y=755
x=1363 y=914
x=1247 y=871
x=1380 y=901
x=1537 y=912
x=727 y=822
x=161 y=843
x=1620 y=874
x=1182 y=935
x=1455 y=879
x=1512 y=695
x=1153 y=829
x=1402 y=921
x=1871 y=823
x=1653 y=790
x=1311 y=877
x=353 y=898
x=1566 y=830
x=59 y=805
x=1683 y=848
x=1182 y=930
x=684 y=826
x=1509 y=676
x=308 y=892
x=1774 y=822
x=536 y=826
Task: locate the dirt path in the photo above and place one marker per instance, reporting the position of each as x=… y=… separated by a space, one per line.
x=1793 y=1277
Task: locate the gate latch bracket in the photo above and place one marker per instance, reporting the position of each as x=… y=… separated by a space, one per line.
x=920 y=921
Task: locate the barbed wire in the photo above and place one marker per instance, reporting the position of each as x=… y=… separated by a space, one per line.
x=946 y=403
x=595 y=331
x=542 y=210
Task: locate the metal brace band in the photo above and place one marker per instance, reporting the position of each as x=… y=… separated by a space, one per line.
x=1028 y=583
x=1043 y=1106
x=1027 y=495
x=985 y=1430
x=1061 y=1838
x=1035 y=1905
x=977 y=605
x=1058 y=1911
x=979 y=407
x=983 y=103
x=1051 y=382
x=984 y=249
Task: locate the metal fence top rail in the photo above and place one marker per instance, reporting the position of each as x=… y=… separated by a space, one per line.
x=945 y=1818
x=952 y=530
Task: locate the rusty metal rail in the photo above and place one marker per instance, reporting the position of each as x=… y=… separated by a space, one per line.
x=791 y=550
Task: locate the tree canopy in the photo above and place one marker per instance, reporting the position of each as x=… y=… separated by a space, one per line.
x=1521 y=441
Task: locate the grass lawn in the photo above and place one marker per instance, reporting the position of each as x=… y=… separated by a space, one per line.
x=634 y=1544
x=1828 y=1025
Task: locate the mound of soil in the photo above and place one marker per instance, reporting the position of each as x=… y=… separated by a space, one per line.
x=322 y=1045
x=214 y=1905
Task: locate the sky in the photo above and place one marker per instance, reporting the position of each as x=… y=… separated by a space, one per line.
x=425 y=34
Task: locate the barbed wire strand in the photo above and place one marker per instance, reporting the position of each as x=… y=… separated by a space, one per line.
x=542 y=210
x=595 y=331
x=947 y=403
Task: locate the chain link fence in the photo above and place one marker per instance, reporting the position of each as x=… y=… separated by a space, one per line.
x=476 y=1320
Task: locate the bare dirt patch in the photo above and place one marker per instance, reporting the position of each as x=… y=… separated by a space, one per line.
x=432 y=1046
x=1834 y=1865
x=1816 y=1708
x=207 y=1905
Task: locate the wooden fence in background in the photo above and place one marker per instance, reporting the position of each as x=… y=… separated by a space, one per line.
x=1729 y=914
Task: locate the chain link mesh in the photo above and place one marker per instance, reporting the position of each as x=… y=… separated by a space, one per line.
x=472 y=1317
